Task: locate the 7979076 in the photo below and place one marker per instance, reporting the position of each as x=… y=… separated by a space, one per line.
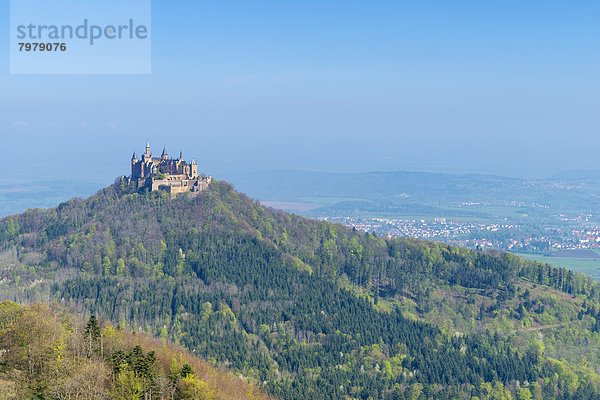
x=42 y=47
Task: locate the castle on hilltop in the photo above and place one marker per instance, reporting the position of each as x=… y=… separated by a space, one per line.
x=173 y=175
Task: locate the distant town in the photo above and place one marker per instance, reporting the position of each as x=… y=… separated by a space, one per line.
x=511 y=237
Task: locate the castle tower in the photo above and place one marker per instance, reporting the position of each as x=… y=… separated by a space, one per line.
x=147 y=156
x=194 y=169
x=164 y=155
x=136 y=170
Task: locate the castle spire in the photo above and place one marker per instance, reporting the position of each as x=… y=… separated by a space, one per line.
x=181 y=155
x=134 y=156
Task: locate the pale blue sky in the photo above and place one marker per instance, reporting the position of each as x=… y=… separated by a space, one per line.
x=505 y=87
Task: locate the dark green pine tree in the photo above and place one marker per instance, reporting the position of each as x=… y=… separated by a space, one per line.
x=93 y=334
x=118 y=360
x=92 y=329
x=186 y=370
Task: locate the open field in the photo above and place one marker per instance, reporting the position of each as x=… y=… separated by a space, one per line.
x=577 y=253
x=587 y=266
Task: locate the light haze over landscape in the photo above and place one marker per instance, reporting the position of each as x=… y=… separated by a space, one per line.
x=373 y=200
x=507 y=88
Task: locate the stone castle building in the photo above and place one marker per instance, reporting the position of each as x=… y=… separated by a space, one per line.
x=173 y=175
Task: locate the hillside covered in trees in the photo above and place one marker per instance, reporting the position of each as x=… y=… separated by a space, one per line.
x=49 y=353
x=308 y=309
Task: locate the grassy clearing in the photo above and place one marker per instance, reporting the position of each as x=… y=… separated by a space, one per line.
x=587 y=266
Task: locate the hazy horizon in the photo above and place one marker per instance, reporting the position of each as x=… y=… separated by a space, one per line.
x=108 y=174
x=505 y=88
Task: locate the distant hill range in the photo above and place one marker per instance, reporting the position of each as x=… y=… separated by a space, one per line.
x=16 y=197
x=394 y=193
x=578 y=175
x=414 y=193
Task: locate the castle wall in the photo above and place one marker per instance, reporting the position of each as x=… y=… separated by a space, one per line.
x=176 y=186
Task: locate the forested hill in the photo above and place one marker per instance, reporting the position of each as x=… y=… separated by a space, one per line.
x=50 y=353
x=310 y=309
